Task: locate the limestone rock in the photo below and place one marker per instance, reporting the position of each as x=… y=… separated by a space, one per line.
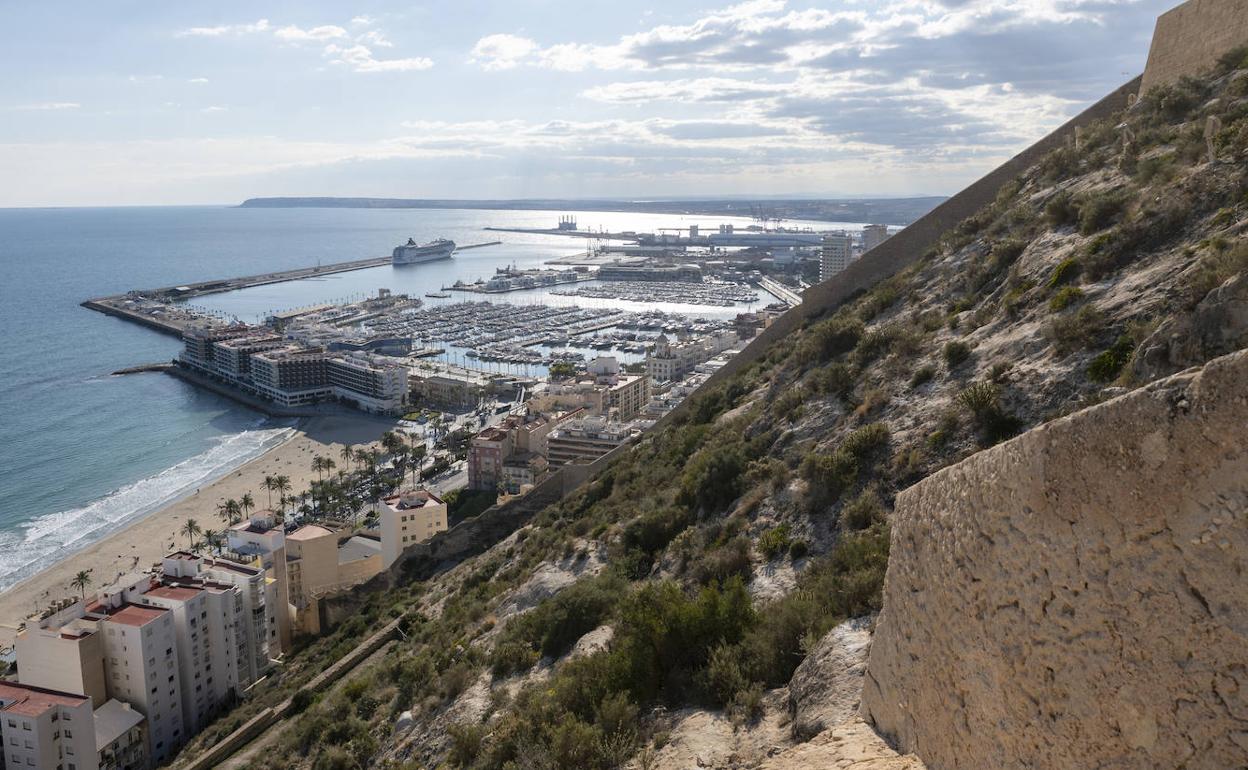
x=826 y=688
x=1218 y=325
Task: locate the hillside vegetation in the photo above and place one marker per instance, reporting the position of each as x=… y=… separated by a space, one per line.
x=699 y=571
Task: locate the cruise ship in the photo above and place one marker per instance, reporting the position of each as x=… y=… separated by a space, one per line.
x=412 y=253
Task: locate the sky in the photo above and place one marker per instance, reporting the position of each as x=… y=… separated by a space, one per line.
x=175 y=103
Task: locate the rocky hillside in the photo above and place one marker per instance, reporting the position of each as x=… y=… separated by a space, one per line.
x=707 y=600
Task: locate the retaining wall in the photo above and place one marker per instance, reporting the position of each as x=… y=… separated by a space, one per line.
x=1078 y=596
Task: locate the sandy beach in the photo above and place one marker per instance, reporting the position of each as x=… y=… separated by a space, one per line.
x=146 y=540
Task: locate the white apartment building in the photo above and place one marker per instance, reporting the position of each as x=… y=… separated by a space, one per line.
x=260 y=542
x=409 y=518
x=120 y=737
x=46 y=729
x=371 y=384
x=670 y=361
x=838 y=252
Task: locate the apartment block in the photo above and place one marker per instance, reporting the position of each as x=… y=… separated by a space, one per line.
x=46 y=729
x=837 y=252
x=585 y=440
x=873 y=235
x=120 y=737
x=409 y=518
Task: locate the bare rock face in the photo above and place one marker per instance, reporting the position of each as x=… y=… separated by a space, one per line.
x=850 y=746
x=1078 y=596
x=826 y=688
x=1219 y=325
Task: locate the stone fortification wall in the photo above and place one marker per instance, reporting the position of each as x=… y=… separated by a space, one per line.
x=1078 y=596
x=1190 y=38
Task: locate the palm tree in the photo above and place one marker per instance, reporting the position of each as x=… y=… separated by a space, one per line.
x=233 y=511
x=347 y=454
x=392 y=442
x=269 y=482
x=191 y=529
x=81 y=581
x=223 y=510
x=246 y=503
x=210 y=537
x=281 y=485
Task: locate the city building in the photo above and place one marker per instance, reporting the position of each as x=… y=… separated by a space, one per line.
x=46 y=729
x=523 y=470
x=257 y=550
x=120 y=737
x=444 y=390
x=690 y=273
x=670 y=361
x=837 y=253
x=409 y=518
x=486 y=453
x=321 y=561
x=291 y=376
x=370 y=383
x=873 y=235
x=585 y=440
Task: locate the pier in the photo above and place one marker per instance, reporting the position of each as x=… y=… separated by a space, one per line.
x=780 y=290
x=136 y=305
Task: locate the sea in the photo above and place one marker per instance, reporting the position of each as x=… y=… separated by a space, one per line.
x=83 y=451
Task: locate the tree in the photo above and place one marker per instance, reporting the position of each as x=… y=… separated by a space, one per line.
x=392 y=443
x=562 y=370
x=270 y=485
x=81 y=581
x=212 y=538
x=347 y=454
x=191 y=529
x=281 y=485
x=246 y=503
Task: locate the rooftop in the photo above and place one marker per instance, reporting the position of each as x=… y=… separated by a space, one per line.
x=309 y=532
x=178 y=593
x=113 y=720
x=135 y=615
x=357 y=548
x=29 y=701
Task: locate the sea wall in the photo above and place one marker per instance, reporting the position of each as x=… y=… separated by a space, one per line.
x=1190 y=38
x=1078 y=596
x=908 y=246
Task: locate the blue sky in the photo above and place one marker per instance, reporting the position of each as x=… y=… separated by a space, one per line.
x=119 y=103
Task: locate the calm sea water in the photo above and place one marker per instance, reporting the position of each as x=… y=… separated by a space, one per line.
x=83 y=452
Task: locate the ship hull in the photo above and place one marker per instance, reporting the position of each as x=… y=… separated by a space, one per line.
x=429 y=252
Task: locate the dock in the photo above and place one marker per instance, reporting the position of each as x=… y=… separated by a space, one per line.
x=129 y=306
x=780 y=290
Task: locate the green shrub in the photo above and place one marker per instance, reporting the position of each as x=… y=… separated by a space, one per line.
x=921 y=375
x=1109 y=363
x=1071 y=331
x=866 y=441
x=834 y=379
x=1099 y=210
x=1220 y=263
x=828 y=339
x=798 y=548
x=982 y=400
x=730 y=560
x=1059 y=164
x=712 y=479
x=1235 y=59
x=1061 y=210
x=552 y=627
x=774 y=541
x=466 y=743
x=1064 y=298
x=1159 y=168
x=1065 y=272
x=863 y=511
x=875 y=343
x=831 y=474
x=956 y=352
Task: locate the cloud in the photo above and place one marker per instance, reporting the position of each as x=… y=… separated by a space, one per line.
x=214 y=108
x=198 y=80
x=47 y=106
x=501 y=52
x=354 y=51
x=359 y=58
x=260 y=25
x=293 y=34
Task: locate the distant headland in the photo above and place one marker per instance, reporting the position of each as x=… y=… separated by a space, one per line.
x=897 y=211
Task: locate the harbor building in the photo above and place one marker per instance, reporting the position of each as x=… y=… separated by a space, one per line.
x=369 y=383
x=873 y=235
x=409 y=518
x=43 y=728
x=199 y=345
x=232 y=357
x=690 y=273
x=291 y=376
x=836 y=254
x=671 y=361
x=445 y=390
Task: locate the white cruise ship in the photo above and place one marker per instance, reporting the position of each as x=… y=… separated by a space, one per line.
x=412 y=253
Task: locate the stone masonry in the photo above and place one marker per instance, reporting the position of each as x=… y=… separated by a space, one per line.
x=1078 y=596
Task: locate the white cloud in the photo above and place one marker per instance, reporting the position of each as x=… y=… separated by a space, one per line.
x=260 y=25
x=359 y=58
x=214 y=108
x=501 y=51
x=48 y=106
x=294 y=34
x=362 y=21
x=198 y=80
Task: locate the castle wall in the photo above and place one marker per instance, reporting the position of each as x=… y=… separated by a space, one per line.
x=1190 y=38
x=1078 y=596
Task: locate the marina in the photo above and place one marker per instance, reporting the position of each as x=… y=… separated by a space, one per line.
x=712 y=293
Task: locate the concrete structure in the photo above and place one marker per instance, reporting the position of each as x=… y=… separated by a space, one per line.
x=1076 y=597
x=369 y=383
x=835 y=255
x=291 y=376
x=320 y=561
x=46 y=729
x=260 y=543
x=584 y=440
x=444 y=390
x=1189 y=39
x=671 y=361
x=409 y=518
x=873 y=235
x=120 y=737
x=66 y=658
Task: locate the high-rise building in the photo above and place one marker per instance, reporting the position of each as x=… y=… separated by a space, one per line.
x=837 y=253
x=46 y=729
x=873 y=235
